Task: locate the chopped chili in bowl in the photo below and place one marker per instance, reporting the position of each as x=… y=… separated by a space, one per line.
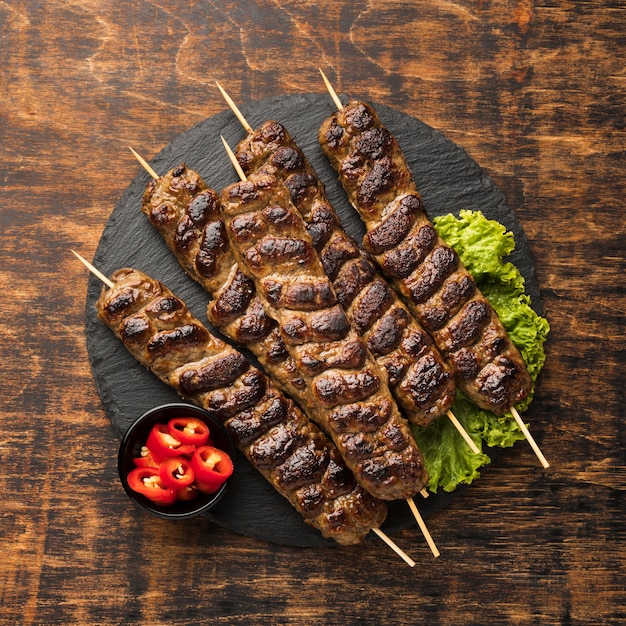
x=176 y=461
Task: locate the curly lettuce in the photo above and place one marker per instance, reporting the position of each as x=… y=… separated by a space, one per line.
x=482 y=245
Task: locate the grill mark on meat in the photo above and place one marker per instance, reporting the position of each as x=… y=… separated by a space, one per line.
x=431 y=274
x=457 y=292
x=387 y=334
x=426 y=378
x=401 y=261
x=379 y=179
x=125 y=303
x=338 y=251
x=184 y=337
x=307 y=464
x=213 y=246
x=287 y=158
x=349 y=417
x=303 y=296
x=270 y=431
x=256 y=326
x=374 y=300
x=165 y=308
x=342 y=388
x=358 y=119
x=248 y=425
x=468 y=325
x=334 y=135
x=373 y=143
x=352 y=279
x=272 y=251
x=234 y=299
x=395 y=228
x=215 y=374
x=349 y=355
x=135 y=330
x=247 y=393
x=329 y=325
x=301 y=185
x=271 y=451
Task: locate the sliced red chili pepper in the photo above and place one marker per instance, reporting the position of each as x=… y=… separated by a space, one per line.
x=163 y=446
x=212 y=467
x=146 y=459
x=176 y=472
x=146 y=481
x=189 y=430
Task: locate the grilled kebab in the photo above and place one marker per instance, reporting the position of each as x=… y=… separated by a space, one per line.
x=400 y=237
x=187 y=214
x=295 y=456
x=351 y=398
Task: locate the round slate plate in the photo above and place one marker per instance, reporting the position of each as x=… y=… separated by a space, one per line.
x=448 y=179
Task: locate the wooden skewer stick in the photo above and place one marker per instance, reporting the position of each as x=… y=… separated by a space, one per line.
x=332 y=92
x=424 y=493
x=394 y=546
x=455 y=422
x=248 y=128
x=145 y=164
x=529 y=437
x=513 y=410
x=405 y=557
x=234 y=109
x=93 y=270
x=233 y=159
x=423 y=528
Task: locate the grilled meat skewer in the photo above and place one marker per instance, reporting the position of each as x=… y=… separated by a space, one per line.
x=400 y=237
x=352 y=400
x=289 y=451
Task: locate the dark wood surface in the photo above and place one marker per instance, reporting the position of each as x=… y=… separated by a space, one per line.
x=534 y=92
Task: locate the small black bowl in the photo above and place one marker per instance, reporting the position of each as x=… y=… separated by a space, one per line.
x=136 y=437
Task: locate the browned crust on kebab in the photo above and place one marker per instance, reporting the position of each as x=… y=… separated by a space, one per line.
x=272 y=245
x=438 y=289
x=186 y=213
x=271 y=432
x=419 y=379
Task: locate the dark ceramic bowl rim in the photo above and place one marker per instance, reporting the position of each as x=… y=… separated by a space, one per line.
x=137 y=434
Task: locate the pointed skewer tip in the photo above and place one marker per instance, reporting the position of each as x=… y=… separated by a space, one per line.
x=423 y=528
x=401 y=553
x=146 y=166
x=331 y=91
x=235 y=109
x=93 y=270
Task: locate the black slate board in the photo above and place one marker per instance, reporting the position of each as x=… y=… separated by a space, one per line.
x=448 y=179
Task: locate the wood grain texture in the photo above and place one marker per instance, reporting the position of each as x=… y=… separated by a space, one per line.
x=534 y=92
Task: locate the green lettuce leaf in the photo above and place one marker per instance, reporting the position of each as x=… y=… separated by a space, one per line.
x=482 y=245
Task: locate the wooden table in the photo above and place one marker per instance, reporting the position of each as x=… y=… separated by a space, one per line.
x=534 y=91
